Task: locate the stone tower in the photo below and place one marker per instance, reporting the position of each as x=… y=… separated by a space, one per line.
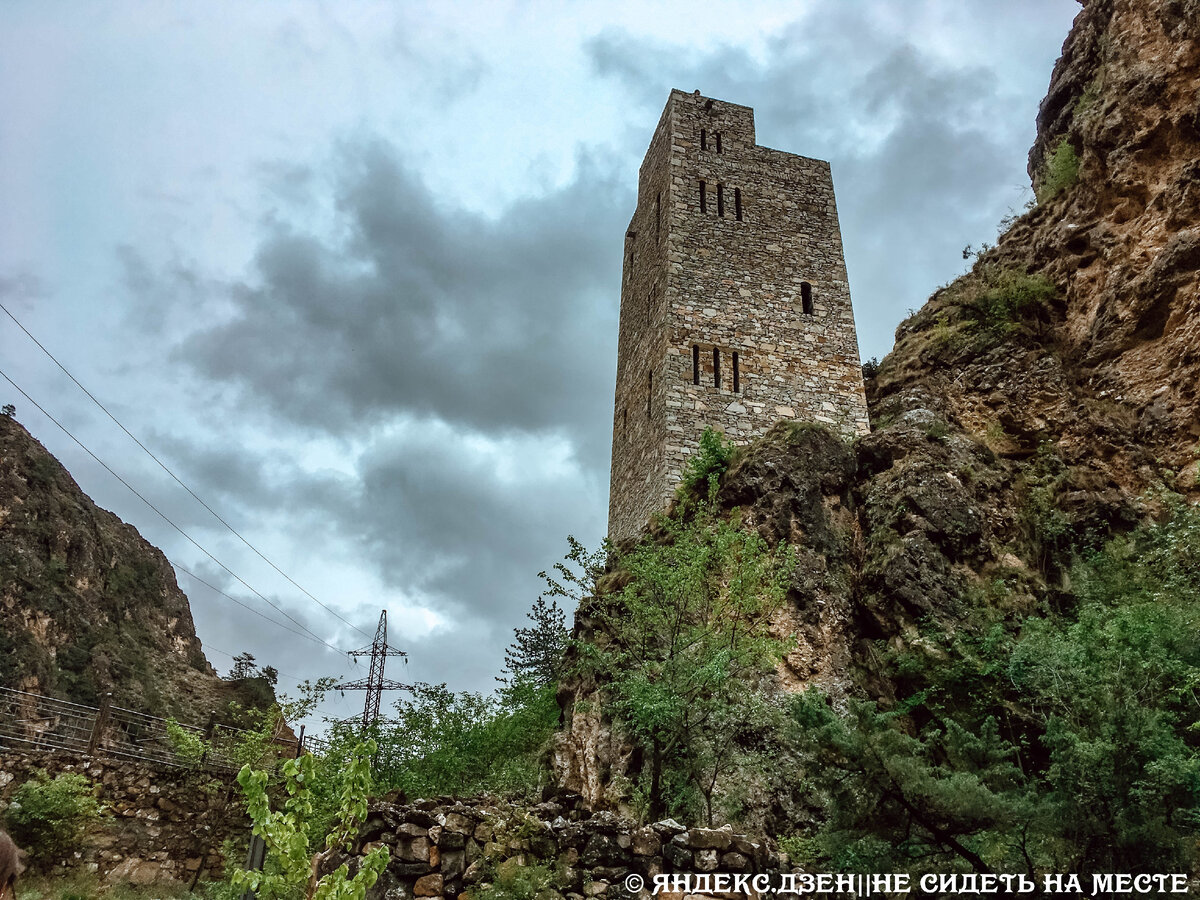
x=735 y=309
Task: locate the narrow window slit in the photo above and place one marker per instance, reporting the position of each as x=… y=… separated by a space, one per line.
x=737 y=386
x=717 y=135
x=716 y=368
x=695 y=363
x=737 y=203
x=649 y=392
x=703 y=139
x=806 y=299
x=721 y=200
x=703 y=197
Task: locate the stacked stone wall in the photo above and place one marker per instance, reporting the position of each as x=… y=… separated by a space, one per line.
x=733 y=272
x=161 y=825
x=443 y=848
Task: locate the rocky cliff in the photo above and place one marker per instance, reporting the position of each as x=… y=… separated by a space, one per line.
x=1027 y=412
x=86 y=604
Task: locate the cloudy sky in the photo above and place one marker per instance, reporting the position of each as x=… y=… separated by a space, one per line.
x=351 y=270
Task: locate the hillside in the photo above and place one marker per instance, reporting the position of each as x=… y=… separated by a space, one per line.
x=86 y=604
x=1033 y=410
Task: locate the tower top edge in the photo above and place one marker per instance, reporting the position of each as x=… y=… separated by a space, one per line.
x=696 y=97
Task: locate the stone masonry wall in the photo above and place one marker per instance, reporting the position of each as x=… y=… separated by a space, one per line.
x=444 y=848
x=162 y=825
x=702 y=285
x=639 y=426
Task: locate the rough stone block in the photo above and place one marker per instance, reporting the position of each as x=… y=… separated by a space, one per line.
x=428 y=886
x=709 y=839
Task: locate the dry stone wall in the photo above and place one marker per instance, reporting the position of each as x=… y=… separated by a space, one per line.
x=735 y=306
x=162 y=825
x=445 y=848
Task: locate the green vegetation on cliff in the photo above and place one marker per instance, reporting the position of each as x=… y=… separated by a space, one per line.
x=1069 y=744
x=687 y=639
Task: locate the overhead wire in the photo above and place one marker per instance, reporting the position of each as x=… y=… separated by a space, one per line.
x=177 y=479
x=170 y=522
x=246 y=606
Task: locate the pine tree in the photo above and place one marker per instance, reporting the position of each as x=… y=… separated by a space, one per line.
x=536 y=656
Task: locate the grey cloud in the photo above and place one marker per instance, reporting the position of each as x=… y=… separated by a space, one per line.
x=444 y=522
x=498 y=324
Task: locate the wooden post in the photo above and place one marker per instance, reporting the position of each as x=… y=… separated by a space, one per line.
x=300 y=743
x=256 y=855
x=100 y=724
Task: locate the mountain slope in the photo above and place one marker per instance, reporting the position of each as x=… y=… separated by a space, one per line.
x=86 y=604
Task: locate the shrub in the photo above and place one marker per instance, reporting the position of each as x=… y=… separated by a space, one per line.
x=990 y=303
x=703 y=471
x=513 y=882
x=287 y=867
x=188 y=748
x=1060 y=172
x=443 y=742
x=1070 y=743
x=48 y=815
x=870 y=368
x=1008 y=294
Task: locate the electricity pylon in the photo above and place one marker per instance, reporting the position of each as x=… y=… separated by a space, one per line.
x=375 y=684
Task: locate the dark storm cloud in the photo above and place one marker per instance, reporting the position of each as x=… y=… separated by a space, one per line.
x=926 y=155
x=229 y=627
x=442 y=519
x=496 y=323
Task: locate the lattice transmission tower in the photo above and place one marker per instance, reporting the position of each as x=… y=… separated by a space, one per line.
x=375 y=684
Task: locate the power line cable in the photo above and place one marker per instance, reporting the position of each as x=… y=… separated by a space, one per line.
x=179 y=481
x=246 y=606
x=167 y=519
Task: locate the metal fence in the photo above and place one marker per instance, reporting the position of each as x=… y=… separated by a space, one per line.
x=36 y=722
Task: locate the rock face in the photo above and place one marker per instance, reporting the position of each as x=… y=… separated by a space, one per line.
x=86 y=604
x=1111 y=369
x=1025 y=412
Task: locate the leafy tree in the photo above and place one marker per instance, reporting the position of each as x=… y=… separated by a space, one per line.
x=682 y=644
x=289 y=866
x=8 y=410
x=577 y=576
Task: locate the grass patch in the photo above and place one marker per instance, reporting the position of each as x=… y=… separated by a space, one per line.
x=1060 y=171
x=83 y=886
